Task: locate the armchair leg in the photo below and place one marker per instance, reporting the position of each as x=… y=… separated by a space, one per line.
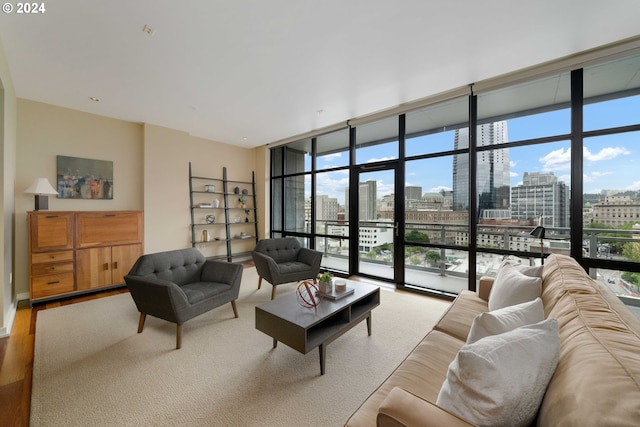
x=259 y=281
x=143 y=317
x=273 y=292
x=179 y=336
x=235 y=310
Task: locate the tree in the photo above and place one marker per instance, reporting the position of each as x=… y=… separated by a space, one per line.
x=416 y=236
x=432 y=258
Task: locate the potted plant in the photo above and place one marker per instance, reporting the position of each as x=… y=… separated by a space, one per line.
x=243 y=201
x=325 y=280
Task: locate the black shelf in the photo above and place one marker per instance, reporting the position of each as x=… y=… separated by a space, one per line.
x=230 y=210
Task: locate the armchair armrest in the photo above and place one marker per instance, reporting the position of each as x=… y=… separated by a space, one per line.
x=265 y=266
x=401 y=408
x=222 y=272
x=310 y=257
x=484 y=287
x=159 y=298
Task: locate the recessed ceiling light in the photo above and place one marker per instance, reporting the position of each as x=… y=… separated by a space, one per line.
x=148 y=30
x=94 y=99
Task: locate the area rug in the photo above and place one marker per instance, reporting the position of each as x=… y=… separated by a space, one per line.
x=91 y=368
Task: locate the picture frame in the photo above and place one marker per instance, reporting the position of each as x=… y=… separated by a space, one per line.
x=80 y=178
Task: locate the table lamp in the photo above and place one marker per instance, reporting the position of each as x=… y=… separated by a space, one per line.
x=41 y=188
x=538 y=232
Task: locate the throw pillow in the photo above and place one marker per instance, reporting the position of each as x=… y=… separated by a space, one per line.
x=505 y=319
x=511 y=287
x=500 y=380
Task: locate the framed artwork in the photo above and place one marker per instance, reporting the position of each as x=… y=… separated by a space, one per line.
x=84 y=178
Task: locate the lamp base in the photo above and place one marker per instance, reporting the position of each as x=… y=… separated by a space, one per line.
x=42 y=202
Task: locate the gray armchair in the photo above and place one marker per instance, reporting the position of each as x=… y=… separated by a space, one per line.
x=283 y=260
x=181 y=284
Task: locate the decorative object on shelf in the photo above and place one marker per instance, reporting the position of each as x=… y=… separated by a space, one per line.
x=41 y=188
x=84 y=178
x=211 y=219
x=245 y=192
x=236 y=190
x=307 y=294
x=205 y=205
x=236 y=219
x=340 y=285
x=243 y=201
x=325 y=281
x=216 y=203
x=205 y=236
x=210 y=188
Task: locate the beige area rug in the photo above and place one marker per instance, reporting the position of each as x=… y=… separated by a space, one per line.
x=91 y=368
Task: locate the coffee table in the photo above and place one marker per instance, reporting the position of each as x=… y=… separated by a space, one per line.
x=304 y=329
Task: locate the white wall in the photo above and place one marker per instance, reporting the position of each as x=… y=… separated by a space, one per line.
x=8 y=301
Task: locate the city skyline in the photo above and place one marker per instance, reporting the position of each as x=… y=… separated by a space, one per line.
x=610 y=162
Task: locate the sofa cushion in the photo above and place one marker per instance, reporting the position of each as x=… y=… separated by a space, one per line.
x=500 y=380
x=456 y=321
x=599 y=369
x=512 y=287
x=505 y=319
x=421 y=374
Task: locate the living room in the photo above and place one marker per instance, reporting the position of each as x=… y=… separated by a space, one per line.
x=150 y=161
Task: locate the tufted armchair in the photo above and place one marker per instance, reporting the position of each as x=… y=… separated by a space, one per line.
x=283 y=260
x=181 y=284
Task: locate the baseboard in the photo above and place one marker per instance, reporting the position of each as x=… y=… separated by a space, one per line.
x=9 y=318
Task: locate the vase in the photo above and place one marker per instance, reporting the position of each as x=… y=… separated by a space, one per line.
x=216 y=203
x=324 y=287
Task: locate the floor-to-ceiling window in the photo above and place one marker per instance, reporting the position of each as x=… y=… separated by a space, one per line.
x=523 y=171
x=436 y=202
x=447 y=204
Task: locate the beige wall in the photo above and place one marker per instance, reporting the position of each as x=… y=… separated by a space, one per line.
x=167 y=154
x=151 y=171
x=45 y=131
x=8 y=113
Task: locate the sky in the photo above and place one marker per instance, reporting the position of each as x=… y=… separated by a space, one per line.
x=611 y=162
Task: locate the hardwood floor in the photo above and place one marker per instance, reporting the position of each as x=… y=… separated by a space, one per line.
x=16 y=358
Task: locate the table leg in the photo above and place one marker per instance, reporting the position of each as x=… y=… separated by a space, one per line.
x=275 y=343
x=323 y=351
x=369 y=324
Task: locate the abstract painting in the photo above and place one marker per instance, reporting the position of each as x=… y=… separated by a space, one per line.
x=84 y=178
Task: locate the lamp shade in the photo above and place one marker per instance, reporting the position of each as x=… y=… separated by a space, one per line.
x=538 y=232
x=41 y=186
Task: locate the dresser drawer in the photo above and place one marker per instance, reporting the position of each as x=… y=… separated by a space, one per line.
x=51 y=284
x=42 y=269
x=37 y=258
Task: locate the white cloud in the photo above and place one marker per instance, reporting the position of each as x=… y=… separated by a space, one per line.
x=513 y=174
x=634 y=187
x=382 y=159
x=559 y=159
x=607 y=153
x=439 y=189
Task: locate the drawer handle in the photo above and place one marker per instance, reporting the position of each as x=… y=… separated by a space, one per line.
x=52 y=216
x=53 y=283
x=106 y=265
x=110 y=214
x=115 y=264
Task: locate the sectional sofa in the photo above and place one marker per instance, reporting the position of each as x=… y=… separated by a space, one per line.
x=594 y=378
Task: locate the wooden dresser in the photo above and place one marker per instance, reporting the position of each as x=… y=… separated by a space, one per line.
x=78 y=252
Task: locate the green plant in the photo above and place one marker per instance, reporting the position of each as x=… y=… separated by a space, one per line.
x=325 y=277
x=242 y=200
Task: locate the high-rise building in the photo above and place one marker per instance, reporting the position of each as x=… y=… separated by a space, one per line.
x=367 y=200
x=413 y=192
x=493 y=172
x=541 y=194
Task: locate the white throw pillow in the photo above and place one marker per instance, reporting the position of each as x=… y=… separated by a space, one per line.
x=505 y=319
x=512 y=287
x=500 y=380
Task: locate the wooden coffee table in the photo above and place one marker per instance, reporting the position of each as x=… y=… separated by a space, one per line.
x=304 y=329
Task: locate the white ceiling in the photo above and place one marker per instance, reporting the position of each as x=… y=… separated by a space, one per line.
x=251 y=72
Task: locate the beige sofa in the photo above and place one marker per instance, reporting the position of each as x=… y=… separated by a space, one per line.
x=596 y=382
